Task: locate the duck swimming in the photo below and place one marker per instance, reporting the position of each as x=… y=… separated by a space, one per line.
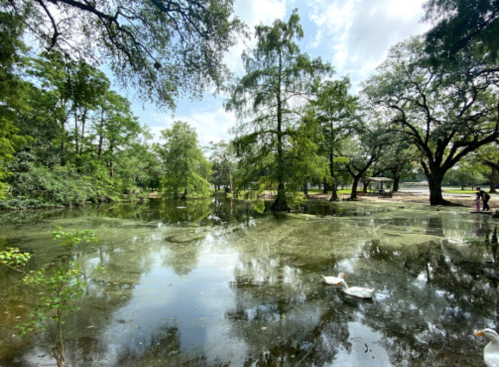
x=491 y=350
x=334 y=280
x=358 y=292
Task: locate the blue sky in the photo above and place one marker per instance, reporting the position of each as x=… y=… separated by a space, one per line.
x=354 y=35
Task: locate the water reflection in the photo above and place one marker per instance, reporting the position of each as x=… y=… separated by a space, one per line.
x=218 y=282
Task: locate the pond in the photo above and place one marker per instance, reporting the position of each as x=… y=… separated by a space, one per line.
x=219 y=283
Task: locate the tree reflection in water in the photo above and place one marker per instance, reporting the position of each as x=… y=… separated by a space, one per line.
x=219 y=282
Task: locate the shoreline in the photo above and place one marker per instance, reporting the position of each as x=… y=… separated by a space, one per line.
x=401 y=197
x=463 y=200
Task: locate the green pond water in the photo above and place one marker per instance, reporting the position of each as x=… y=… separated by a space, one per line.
x=224 y=283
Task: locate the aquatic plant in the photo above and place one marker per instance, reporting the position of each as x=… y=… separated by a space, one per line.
x=58 y=288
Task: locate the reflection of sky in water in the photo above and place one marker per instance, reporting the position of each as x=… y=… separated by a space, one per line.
x=216 y=284
x=367 y=348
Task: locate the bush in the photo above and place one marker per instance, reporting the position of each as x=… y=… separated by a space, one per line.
x=38 y=186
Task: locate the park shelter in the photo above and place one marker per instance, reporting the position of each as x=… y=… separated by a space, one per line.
x=379 y=182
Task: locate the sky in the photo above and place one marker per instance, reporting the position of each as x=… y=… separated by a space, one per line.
x=353 y=35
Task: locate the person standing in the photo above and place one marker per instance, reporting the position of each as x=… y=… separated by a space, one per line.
x=477 y=201
x=485 y=198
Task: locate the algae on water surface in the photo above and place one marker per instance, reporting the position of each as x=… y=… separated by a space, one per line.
x=219 y=283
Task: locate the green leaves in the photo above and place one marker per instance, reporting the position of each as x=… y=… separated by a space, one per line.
x=57 y=288
x=269 y=102
x=462 y=27
x=162 y=48
x=69 y=240
x=14 y=258
x=187 y=170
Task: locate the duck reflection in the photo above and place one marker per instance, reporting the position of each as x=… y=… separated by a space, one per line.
x=424 y=316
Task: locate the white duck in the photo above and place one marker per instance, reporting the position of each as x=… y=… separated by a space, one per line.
x=334 y=280
x=491 y=350
x=359 y=292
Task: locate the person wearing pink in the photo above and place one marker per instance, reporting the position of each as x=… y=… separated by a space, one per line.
x=477 y=200
x=485 y=198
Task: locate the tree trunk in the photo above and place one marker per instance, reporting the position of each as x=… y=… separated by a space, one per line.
x=305 y=189
x=83 y=122
x=334 y=190
x=101 y=133
x=396 y=183
x=59 y=358
x=280 y=203
x=353 y=195
x=334 y=195
x=186 y=182
x=231 y=184
x=435 y=186
x=99 y=153
x=493 y=181
x=63 y=154
x=77 y=131
x=325 y=186
x=184 y=195
x=63 y=146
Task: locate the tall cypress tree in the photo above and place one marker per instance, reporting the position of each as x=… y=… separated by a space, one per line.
x=267 y=100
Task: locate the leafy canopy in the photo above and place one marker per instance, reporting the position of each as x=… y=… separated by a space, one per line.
x=165 y=48
x=269 y=101
x=187 y=170
x=463 y=25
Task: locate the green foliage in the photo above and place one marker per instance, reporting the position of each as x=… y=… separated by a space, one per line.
x=12 y=91
x=33 y=184
x=268 y=100
x=446 y=113
x=303 y=158
x=334 y=109
x=463 y=26
x=88 y=144
x=72 y=239
x=187 y=170
x=224 y=165
x=259 y=206
x=365 y=149
x=163 y=48
x=296 y=200
x=14 y=258
x=464 y=175
x=60 y=289
x=57 y=288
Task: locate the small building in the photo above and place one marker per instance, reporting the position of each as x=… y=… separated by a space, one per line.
x=383 y=186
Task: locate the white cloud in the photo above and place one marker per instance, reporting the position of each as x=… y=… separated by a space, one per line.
x=359 y=33
x=253 y=12
x=210 y=126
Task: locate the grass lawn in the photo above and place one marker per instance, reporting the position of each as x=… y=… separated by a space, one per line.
x=468 y=192
x=340 y=192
